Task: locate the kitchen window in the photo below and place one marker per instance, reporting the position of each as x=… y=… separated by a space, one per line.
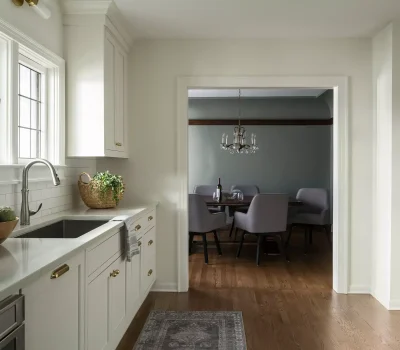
x=32 y=88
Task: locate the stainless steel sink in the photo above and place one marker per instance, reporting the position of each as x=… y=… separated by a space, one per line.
x=64 y=229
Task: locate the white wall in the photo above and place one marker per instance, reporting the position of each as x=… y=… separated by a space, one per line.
x=46 y=32
x=54 y=199
x=150 y=173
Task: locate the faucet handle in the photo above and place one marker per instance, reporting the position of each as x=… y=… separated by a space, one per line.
x=31 y=212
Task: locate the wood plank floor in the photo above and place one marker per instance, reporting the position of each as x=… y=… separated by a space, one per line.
x=285 y=305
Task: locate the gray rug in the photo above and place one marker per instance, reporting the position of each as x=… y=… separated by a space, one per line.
x=196 y=330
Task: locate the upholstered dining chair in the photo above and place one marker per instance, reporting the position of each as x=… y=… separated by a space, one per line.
x=247 y=190
x=267 y=216
x=208 y=190
x=201 y=222
x=315 y=212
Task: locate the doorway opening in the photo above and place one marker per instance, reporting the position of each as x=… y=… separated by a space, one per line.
x=335 y=162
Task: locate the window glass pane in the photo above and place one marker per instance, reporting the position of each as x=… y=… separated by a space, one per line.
x=34 y=144
x=35 y=76
x=24 y=143
x=24 y=81
x=35 y=115
x=24 y=112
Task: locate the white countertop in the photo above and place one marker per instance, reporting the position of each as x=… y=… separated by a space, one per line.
x=23 y=260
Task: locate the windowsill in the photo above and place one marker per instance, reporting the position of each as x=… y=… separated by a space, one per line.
x=16 y=182
x=12 y=166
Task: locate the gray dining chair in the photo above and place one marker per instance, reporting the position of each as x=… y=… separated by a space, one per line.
x=201 y=222
x=208 y=190
x=267 y=216
x=247 y=190
x=314 y=212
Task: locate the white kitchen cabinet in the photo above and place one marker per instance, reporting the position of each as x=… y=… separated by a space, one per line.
x=148 y=261
x=97 y=71
x=133 y=285
x=106 y=306
x=54 y=308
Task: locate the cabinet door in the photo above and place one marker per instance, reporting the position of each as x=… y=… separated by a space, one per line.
x=54 y=308
x=119 y=122
x=109 y=91
x=148 y=261
x=117 y=297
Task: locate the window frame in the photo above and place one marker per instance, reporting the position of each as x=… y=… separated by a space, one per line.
x=14 y=43
x=31 y=64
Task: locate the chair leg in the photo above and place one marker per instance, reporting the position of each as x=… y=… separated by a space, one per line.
x=289 y=236
x=259 y=243
x=232 y=226
x=205 y=248
x=310 y=235
x=327 y=229
x=306 y=240
x=217 y=243
x=236 y=231
x=240 y=245
x=191 y=235
x=279 y=240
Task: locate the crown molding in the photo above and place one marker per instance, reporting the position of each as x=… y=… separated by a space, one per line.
x=85 y=7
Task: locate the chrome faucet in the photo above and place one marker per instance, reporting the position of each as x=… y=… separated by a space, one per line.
x=25 y=212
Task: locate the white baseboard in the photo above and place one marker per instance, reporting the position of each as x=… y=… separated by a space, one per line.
x=394 y=305
x=165 y=287
x=359 y=289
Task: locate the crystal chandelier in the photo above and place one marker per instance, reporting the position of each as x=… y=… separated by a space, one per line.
x=239 y=144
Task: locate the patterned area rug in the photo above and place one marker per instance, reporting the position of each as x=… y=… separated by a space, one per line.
x=197 y=330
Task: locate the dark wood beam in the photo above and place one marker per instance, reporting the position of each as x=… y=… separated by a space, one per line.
x=261 y=122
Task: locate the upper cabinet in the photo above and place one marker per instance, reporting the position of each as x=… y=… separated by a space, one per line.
x=96 y=54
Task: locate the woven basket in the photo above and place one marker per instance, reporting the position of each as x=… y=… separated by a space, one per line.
x=92 y=197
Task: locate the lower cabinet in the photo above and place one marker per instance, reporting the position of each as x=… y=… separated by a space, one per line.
x=54 y=314
x=106 y=305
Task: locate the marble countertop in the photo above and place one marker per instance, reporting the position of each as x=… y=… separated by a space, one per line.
x=22 y=260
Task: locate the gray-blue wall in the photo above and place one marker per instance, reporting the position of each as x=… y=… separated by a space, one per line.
x=290 y=157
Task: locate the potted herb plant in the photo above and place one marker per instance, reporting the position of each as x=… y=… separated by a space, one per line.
x=104 y=190
x=8 y=221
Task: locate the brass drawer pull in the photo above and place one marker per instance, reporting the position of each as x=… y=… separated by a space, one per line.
x=139 y=243
x=150 y=242
x=150 y=218
x=119 y=144
x=138 y=227
x=115 y=273
x=150 y=273
x=59 y=272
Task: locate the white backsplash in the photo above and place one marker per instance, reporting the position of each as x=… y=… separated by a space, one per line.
x=54 y=199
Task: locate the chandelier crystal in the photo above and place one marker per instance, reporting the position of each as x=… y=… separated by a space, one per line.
x=239 y=144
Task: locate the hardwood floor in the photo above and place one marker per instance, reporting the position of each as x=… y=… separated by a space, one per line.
x=285 y=305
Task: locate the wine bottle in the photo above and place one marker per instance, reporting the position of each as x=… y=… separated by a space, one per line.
x=219 y=190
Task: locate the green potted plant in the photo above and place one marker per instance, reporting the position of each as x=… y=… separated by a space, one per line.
x=104 y=190
x=8 y=221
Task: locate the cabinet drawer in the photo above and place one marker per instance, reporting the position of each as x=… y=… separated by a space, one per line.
x=104 y=251
x=149 y=241
x=11 y=314
x=148 y=273
x=142 y=224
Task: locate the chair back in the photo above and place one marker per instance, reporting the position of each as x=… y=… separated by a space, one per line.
x=204 y=190
x=268 y=213
x=247 y=190
x=315 y=199
x=198 y=214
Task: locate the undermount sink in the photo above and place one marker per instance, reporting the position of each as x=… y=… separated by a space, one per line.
x=65 y=229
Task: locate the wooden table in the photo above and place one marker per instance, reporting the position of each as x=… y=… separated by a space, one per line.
x=245 y=202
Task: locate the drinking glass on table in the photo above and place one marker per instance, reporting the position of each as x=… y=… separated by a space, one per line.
x=240 y=196
x=215 y=197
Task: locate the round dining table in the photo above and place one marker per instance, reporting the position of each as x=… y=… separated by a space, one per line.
x=241 y=203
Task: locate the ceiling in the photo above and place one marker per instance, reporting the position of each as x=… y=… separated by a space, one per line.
x=254 y=93
x=214 y=19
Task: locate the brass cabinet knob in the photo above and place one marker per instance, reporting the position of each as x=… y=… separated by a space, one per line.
x=150 y=218
x=150 y=242
x=59 y=272
x=114 y=273
x=138 y=227
x=119 y=144
x=150 y=272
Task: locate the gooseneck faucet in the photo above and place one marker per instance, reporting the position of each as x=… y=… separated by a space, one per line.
x=25 y=212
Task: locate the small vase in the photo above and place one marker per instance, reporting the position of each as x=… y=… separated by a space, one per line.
x=6 y=228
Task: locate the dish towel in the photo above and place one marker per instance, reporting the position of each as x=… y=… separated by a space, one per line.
x=131 y=242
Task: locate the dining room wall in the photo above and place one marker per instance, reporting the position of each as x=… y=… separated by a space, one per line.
x=290 y=157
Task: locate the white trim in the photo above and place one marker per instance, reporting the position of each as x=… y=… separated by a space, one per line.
x=394 y=305
x=359 y=289
x=41 y=179
x=165 y=287
x=340 y=172
x=79 y=7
